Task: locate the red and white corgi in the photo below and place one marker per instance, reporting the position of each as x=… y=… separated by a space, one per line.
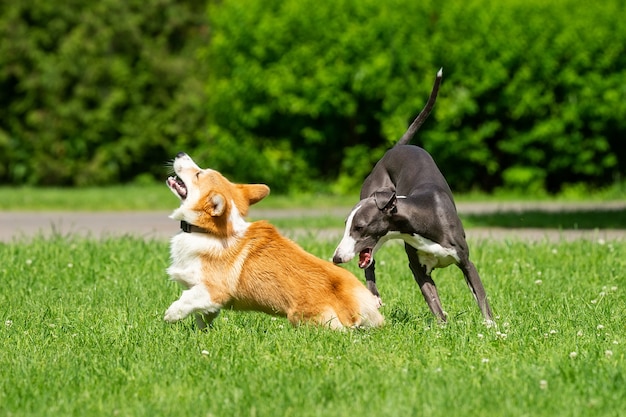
x=223 y=261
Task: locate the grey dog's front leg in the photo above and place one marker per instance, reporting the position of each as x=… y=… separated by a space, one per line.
x=426 y=283
x=370 y=281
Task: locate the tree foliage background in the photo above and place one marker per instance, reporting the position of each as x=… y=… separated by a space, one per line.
x=307 y=95
x=97 y=92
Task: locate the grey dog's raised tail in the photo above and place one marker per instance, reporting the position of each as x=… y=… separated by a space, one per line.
x=421 y=118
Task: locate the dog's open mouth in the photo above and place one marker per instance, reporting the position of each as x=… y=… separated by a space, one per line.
x=177 y=186
x=365 y=258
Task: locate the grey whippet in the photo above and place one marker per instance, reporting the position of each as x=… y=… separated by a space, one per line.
x=406 y=197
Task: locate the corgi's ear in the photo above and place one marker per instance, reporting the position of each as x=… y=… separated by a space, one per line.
x=216 y=204
x=254 y=192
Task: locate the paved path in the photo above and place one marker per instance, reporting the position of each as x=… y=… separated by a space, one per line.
x=157 y=225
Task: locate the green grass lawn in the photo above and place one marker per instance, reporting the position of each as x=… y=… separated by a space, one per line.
x=81 y=334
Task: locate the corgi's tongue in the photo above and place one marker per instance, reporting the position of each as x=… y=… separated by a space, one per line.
x=364 y=258
x=178 y=186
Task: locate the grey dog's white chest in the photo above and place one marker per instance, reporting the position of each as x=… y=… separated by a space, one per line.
x=430 y=254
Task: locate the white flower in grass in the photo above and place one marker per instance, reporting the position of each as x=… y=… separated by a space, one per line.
x=481 y=336
x=608 y=353
x=614 y=288
x=8 y=323
x=600 y=327
x=538 y=282
x=579 y=333
x=70 y=265
x=485 y=360
x=615 y=342
x=601 y=241
x=29 y=261
x=205 y=353
x=573 y=355
x=553 y=332
x=543 y=384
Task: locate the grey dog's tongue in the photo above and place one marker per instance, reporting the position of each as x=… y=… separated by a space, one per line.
x=364 y=258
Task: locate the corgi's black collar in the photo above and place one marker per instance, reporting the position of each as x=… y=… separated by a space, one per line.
x=191 y=228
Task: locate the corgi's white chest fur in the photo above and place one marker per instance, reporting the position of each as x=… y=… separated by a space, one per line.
x=188 y=249
x=185 y=253
x=195 y=256
x=192 y=267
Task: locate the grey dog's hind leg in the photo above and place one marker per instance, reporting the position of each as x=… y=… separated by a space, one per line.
x=476 y=286
x=425 y=282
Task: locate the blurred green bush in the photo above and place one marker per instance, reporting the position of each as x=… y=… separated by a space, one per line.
x=307 y=95
x=97 y=92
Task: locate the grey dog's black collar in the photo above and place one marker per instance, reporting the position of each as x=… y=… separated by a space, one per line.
x=191 y=228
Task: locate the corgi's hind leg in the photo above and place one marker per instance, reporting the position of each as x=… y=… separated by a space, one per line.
x=369 y=314
x=194 y=300
x=204 y=320
x=327 y=318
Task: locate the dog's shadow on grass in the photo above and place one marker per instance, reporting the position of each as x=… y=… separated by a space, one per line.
x=570 y=219
x=402 y=315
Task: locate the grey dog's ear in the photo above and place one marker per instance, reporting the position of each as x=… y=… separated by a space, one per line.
x=385 y=199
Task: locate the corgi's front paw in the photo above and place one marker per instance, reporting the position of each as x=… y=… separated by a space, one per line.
x=174 y=314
